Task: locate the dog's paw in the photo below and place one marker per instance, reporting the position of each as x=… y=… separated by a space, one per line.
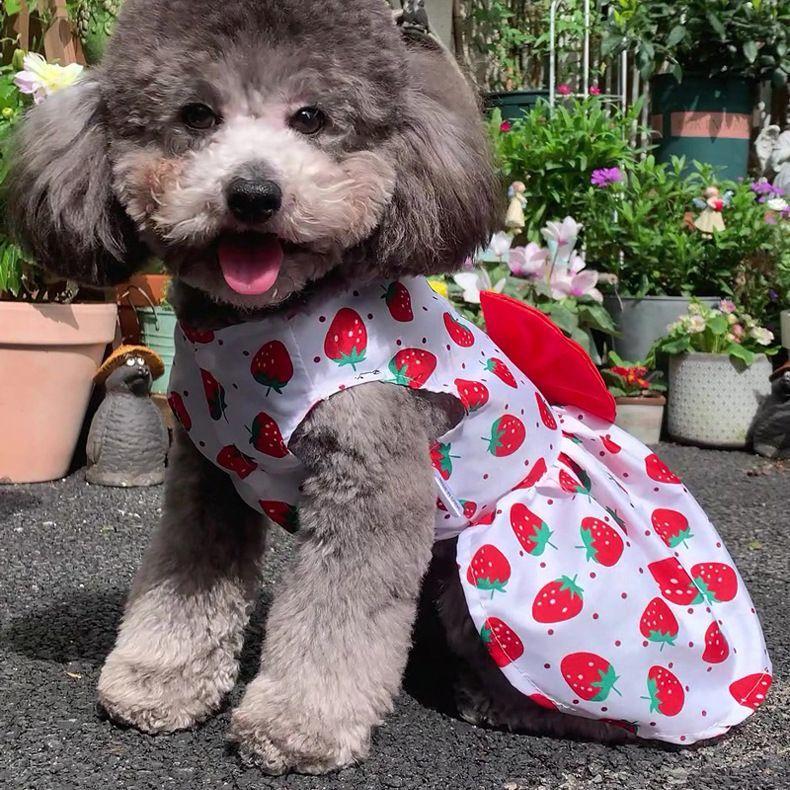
x=273 y=744
x=137 y=695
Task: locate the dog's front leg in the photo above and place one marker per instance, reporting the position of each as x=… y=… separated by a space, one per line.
x=176 y=653
x=339 y=632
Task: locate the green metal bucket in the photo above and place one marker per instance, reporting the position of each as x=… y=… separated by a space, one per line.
x=157 y=329
x=514 y=104
x=704 y=119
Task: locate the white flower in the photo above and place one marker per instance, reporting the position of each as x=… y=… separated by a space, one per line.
x=500 y=244
x=475 y=281
x=777 y=204
x=561 y=239
x=696 y=324
x=528 y=261
x=41 y=79
x=695 y=309
x=762 y=335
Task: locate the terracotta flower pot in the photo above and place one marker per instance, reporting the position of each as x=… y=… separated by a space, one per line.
x=49 y=354
x=642 y=417
x=142 y=290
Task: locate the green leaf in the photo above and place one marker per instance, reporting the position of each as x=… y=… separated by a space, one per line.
x=716 y=24
x=739 y=352
x=750 y=51
x=676 y=35
x=12 y=7
x=718 y=325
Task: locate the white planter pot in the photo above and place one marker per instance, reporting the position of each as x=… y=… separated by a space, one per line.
x=641 y=417
x=712 y=400
x=784 y=323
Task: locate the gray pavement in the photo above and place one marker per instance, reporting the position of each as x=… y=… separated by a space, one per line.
x=68 y=551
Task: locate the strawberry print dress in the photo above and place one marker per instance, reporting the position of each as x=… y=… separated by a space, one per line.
x=596 y=581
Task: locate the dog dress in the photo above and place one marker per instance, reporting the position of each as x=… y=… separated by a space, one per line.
x=594 y=578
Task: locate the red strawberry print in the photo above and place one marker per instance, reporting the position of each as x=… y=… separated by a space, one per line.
x=473 y=394
x=487 y=519
x=546 y=414
x=442 y=460
x=346 y=339
x=572 y=436
x=751 y=691
x=610 y=445
x=673 y=582
x=715 y=581
x=589 y=675
x=601 y=542
x=281 y=513
x=657 y=470
x=265 y=436
x=215 y=395
x=501 y=641
x=196 y=335
x=671 y=526
x=412 y=367
x=665 y=692
x=559 y=600
x=470 y=508
x=234 y=460
x=489 y=570
x=398 y=301
x=658 y=624
x=179 y=409
x=535 y=474
x=507 y=435
x=568 y=483
x=500 y=370
x=460 y=335
x=543 y=701
x=272 y=367
x=532 y=532
x=440 y=505
x=716 y=647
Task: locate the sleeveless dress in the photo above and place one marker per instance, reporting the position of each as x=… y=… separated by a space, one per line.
x=596 y=581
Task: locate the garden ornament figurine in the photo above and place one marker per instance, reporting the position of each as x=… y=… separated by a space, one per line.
x=710 y=220
x=301 y=176
x=128 y=440
x=514 y=220
x=780 y=162
x=771 y=428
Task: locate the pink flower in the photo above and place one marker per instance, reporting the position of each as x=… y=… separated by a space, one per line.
x=564 y=89
x=605 y=176
x=595 y=90
x=504 y=126
x=727 y=306
x=529 y=261
x=737 y=331
x=575 y=281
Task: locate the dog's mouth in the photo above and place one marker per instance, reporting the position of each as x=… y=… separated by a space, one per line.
x=250 y=262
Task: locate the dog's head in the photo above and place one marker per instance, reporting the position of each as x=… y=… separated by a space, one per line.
x=256 y=145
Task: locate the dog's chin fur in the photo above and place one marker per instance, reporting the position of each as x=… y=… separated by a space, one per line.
x=399 y=182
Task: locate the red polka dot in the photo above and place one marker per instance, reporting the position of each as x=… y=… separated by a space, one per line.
x=647 y=532
x=644 y=644
x=549 y=501
x=485 y=476
x=656 y=489
x=604 y=709
x=690 y=610
x=617 y=643
x=625 y=474
x=671 y=664
x=652 y=724
x=602 y=453
x=322 y=318
x=709 y=669
x=316 y=359
x=682 y=737
x=691 y=644
x=592 y=574
x=547 y=666
x=575 y=702
x=542 y=564
x=624 y=595
x=641 y=570
x=595 y=615
x=704 y=713
x=521 y=554
x=398 y=342
x=550 y=632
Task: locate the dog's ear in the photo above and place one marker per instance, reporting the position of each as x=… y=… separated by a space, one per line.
x=59 y=200
x=447 y=200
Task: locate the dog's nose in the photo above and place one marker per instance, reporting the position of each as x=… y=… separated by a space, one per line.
x=252 y=201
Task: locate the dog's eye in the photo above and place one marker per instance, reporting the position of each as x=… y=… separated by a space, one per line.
x=199 y=116
x=308 y=120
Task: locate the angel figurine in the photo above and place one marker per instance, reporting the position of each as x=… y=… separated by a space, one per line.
x=514 y=219
x=710 y=220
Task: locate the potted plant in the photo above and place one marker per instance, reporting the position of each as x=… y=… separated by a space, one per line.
x=718 y=374
x=51 y=339
x=640 y=398
x=705 y=59
x=554 y=278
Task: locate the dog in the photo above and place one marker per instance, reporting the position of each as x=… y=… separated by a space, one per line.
x=266 y=151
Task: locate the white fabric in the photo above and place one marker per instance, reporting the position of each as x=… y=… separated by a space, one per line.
x=567 y=526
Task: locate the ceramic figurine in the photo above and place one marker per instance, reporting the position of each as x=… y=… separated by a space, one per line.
x=771 y=428
x=780 y=162
x=128 y=440
x=710 y=220
x=514 y=219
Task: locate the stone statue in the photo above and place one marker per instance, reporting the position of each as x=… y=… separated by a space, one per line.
x=771 y=428
x=128 y=440
x=773 y=153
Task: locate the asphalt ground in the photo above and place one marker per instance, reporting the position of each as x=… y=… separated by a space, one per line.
x=68 y=552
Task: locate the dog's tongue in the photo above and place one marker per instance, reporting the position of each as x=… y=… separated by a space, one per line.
x=250 y=264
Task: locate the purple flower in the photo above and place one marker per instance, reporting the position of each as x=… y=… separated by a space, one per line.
x=606 y=176
x=772 y=295
x=765 y=190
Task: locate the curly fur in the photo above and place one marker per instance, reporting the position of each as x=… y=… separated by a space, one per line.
x=400 y=182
